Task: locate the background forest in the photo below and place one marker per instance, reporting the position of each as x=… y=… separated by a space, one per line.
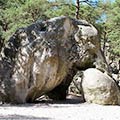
x=102 y=14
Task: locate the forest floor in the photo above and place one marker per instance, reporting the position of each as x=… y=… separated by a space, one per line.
x=70 y=109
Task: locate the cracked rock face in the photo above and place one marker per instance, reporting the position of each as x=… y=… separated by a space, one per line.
x=99 y=88
x=44 y=57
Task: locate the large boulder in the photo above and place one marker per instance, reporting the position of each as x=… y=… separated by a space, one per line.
x=99 y=88
x=43 y=58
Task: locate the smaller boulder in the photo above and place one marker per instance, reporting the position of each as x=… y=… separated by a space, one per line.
x=99 y=88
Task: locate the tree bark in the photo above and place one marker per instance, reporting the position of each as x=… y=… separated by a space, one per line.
x=77 y=9
x=105 y=40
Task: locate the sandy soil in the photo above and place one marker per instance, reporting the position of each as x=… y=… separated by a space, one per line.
x=67 y=110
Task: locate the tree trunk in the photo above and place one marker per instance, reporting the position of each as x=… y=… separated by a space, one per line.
x=105 y=40
x=77 y=9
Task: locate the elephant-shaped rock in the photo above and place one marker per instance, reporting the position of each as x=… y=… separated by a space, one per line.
x=43 y=58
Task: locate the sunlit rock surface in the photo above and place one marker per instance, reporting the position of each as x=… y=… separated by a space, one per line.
x=99 y=88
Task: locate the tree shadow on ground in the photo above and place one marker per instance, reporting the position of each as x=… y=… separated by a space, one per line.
x=21 y=117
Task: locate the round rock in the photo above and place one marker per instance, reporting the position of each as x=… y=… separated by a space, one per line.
x=99 y=88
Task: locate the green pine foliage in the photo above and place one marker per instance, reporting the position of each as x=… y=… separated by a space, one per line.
x=113 y=23
x=20 y=13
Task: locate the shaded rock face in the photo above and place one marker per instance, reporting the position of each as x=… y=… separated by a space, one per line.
x=44 y=57
x=75 y=86
x=99 y=88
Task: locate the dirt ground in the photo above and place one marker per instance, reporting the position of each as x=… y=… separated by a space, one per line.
x=65 y=110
